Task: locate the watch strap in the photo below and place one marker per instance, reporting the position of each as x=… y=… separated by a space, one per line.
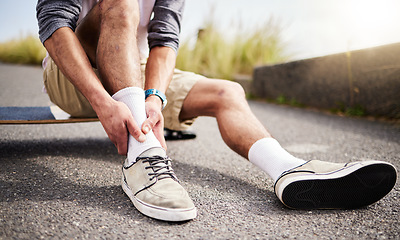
x=159 y=94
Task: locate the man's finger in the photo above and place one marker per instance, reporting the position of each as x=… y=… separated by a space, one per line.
x=122 y=147
x=150 y=122
x=159 y=133
x=120 y=140
x=135 y=131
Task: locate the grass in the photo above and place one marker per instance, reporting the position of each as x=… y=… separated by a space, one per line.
x=23 y=50
x=213 y=55
x=351 y=111
x=281 y=99
x=218 y=56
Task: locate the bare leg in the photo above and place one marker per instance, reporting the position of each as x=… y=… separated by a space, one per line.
x=108 y=36
x=243 y=132
x=225 y=101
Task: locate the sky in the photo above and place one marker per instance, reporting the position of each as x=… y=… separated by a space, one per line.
x=310 y=28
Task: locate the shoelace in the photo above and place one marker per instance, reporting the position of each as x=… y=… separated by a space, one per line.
x=161 y=167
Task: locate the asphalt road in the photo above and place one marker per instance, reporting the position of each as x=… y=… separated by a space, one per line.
x=63 y=181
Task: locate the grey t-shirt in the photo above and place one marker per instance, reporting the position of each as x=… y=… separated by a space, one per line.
x=163 y=28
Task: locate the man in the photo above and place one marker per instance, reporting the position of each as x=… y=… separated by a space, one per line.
x=95 y=69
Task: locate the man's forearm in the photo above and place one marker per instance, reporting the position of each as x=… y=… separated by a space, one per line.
x=69 y=56
x=160 y=68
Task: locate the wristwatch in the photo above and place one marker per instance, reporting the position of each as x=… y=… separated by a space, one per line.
x=159 y=94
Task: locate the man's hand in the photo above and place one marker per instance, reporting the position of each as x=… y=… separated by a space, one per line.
x=117 y=120
x=155 y=119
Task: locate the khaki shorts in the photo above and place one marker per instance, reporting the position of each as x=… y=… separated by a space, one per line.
x=62 y=93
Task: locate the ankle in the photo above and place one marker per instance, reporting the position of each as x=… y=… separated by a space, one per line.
x=268 y=155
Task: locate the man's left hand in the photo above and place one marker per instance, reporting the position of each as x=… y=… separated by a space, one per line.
x=155 y=119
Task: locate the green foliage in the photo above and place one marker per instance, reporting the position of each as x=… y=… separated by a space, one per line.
x=351 y=111
x=281 y=99
x=214 y=55
x=291 y=102
x=24 y=50
x=251 y=96
x=357 y=111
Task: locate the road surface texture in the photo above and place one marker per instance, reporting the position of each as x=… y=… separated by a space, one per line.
x=63 y=181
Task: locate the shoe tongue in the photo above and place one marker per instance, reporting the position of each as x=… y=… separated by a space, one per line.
x=154 y=152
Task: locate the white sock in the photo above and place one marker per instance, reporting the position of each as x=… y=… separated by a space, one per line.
x=268 y=155
x=134 y=98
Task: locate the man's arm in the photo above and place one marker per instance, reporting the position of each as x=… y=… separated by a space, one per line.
x=53 y=14
x=165 y=26
x=57 y=22
x=159 y=70
x=68 y=54
x=163 y=39
x=56 y=32
x=66 y=51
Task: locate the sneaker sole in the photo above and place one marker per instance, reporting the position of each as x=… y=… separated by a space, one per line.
x=353 y=187
x=165 y=214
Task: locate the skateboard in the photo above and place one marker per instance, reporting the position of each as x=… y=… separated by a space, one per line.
x=38 y=115
x=53 y=114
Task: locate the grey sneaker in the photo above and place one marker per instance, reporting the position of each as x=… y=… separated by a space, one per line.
x=155 y=191
x=323 y=185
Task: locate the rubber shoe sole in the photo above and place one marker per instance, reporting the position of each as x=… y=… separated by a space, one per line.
x=165 y=214
x=354 y=187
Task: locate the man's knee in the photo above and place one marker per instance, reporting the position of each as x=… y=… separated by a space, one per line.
x=229 y=93
x=229 y=90
x=124 y=12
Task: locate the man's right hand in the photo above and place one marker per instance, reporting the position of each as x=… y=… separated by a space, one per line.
x=117 y=121
x=116 y=118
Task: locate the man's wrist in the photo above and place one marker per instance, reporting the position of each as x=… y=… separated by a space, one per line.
x=100 y=98
x=158 y=94
x=156 y=100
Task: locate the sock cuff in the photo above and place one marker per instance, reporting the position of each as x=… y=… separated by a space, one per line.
x=134 y=98
x=260 y=144
x=268 y=154
x=129 y=91
x=138 y=149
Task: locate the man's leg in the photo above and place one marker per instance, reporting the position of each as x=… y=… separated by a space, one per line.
x=225 y=101
x=108 y=35
x=240 y=129
x=298 y=184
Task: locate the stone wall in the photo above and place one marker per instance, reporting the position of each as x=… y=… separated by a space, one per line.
x=368 y=78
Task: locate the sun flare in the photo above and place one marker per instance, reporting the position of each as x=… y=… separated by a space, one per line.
x=370 y=21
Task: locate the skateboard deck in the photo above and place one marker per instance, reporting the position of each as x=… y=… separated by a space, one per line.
x=53 y=114
x=38 y=115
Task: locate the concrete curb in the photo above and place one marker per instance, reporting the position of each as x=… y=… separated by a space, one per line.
x=368 y=79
